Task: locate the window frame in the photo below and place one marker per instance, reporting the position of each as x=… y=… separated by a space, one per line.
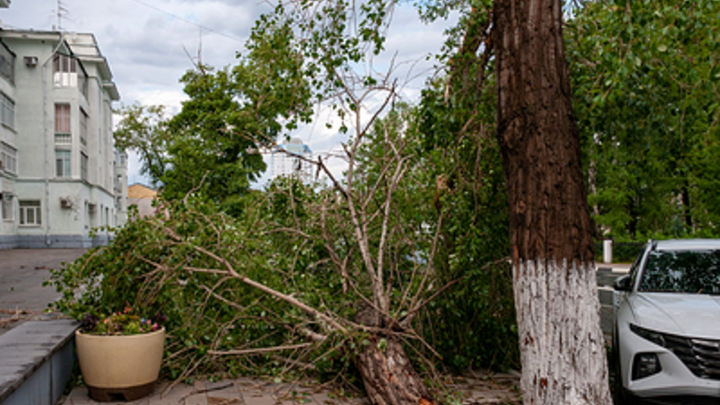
x=84 y=166
x=8 y=156
x=84 y=119
x=6 y=207
x=66 y=163
x=34 y=206
x=7 y=62
x=63 y=118
x=7 y=111
x=68 y=71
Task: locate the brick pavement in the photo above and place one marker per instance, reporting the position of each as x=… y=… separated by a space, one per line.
x=486 y=389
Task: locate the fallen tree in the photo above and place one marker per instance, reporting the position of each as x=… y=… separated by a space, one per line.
x=334 y=273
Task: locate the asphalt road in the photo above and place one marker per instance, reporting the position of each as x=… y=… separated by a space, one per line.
x=22 y=272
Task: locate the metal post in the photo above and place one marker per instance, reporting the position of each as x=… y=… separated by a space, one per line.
x=607 y=251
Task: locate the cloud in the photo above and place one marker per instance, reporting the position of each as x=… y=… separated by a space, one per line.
x=150 y=44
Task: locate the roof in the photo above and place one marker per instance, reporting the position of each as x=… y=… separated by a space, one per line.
x=83 y=46
x=140 y=191
x=688 y=244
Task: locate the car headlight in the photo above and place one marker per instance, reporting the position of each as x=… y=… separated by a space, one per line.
x=647 y=334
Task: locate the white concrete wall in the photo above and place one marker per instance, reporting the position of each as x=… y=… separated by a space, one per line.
x=34 y=138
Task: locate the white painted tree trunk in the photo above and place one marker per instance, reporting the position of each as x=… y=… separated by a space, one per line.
x=562 y=350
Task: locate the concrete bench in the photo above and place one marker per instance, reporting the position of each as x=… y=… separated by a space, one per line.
x=36 y=361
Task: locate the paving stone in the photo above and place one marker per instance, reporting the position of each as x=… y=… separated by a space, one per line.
x=245 y=382
x=197 y=399
x=323 y=398
x=224 y=399
x=199 y=384
x=78 y=396
x=260 y=400
x=488 y=390
x=220 y=385
x=175 y=396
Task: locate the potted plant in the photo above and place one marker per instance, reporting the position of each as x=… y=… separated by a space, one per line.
x=120 y=355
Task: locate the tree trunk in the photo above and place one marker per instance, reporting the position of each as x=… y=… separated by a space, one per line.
x=386 y=370
x=686 y=207
x=561 y=345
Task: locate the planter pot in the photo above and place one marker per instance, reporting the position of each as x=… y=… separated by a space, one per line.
x=120 y=366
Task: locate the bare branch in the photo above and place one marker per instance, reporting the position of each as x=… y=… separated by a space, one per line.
x=262 y=287
x=258 y=351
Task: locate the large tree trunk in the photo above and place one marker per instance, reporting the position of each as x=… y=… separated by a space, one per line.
x=386 y=371
x=561 y=344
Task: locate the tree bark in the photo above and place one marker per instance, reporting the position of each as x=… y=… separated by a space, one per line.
x=386 y=370
x=686 y=207
x=561 y=344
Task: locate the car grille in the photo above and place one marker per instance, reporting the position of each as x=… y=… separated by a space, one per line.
x=701 y=356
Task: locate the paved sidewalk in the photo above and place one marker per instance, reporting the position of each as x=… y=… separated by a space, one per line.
x=486 y=390
x=22 y=272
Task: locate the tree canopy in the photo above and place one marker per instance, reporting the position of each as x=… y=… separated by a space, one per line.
x=645 y=79
x=212 y=146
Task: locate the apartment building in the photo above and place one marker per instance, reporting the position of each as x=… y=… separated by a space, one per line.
x=60 y=175
x=291 y=159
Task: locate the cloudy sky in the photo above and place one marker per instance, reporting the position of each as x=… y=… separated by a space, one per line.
x=149 y=44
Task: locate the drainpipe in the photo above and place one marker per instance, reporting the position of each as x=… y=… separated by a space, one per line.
x=45 y=132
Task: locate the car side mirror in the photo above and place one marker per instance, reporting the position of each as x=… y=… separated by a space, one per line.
x=623 y=283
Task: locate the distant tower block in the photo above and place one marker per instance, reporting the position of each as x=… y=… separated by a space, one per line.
x=291 y=159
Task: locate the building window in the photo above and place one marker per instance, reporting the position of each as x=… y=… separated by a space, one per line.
x=83 y=127
x=7 y=207
x=8 y=157
x=30 y=213
x=64 y=71
x=62 y=119
x=7 y=63
x=62 y=163
x=7 y=115
x=84 y=166
x=90 y=210
x=68 y=72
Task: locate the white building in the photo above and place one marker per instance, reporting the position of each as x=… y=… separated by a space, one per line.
x=291 y=159
x=60 y=175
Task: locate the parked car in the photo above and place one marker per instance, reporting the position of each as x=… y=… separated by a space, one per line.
x=666 y=335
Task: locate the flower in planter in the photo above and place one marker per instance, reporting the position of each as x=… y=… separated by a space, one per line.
x=120 y=323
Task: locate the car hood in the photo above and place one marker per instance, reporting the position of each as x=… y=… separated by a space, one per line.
x=691 y=315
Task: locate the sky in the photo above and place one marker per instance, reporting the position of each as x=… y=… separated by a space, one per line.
x=149 y=44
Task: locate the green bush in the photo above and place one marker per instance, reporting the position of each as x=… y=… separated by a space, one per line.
x=145 y=268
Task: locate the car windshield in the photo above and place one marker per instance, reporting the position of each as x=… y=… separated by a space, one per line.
x=695 y=272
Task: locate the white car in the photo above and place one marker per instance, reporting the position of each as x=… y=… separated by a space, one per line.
x=666 y=335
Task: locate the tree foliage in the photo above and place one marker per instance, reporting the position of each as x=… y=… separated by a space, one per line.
x=212 y=146
x=143 y=129
x=645 y=79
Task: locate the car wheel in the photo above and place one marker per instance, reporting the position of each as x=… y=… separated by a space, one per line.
x=620 y=396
